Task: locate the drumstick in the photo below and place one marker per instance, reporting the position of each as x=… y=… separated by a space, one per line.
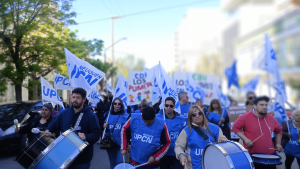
x=257 y=138
x=185 y=167
x=138 y=165
x=124 y=161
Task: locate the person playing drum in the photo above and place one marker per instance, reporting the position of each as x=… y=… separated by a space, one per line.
x=290 y=139
x=258 y=126
x=190 y=140
x=40 y=122
x=149 y=138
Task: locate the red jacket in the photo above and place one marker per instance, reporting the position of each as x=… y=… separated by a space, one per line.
x=251 y=128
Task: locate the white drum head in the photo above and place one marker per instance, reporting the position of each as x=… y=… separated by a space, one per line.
x=214 y=158
x=265 y=156
x=121 y=166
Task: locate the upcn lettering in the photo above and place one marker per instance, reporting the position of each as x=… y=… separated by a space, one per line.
x=87 y=73
x=143 y=138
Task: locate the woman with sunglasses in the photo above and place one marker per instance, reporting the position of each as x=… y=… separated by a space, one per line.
x=218 y=115
x=191 y=141
x=117 y=118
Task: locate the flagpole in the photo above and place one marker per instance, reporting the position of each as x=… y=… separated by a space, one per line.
x=269 y=88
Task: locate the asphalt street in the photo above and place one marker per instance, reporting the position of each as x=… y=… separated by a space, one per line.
x=100 y=160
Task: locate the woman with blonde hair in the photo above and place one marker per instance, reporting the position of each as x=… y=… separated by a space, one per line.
x=190 y=140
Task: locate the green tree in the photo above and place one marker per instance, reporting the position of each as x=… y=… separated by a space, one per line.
x=33 y=34
x=128 y=63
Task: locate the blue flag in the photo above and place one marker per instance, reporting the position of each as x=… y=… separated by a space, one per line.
x=232 y=77
x=251 y=85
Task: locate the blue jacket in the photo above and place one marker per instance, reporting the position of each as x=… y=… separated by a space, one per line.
x=89 y=125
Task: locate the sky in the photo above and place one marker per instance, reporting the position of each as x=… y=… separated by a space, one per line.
x=149 y=36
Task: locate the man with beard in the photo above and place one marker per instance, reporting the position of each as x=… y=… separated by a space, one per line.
x=88 y=128
x=258 y=125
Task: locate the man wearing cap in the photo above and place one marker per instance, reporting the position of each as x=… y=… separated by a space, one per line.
x=40 y=122
x=149 y=139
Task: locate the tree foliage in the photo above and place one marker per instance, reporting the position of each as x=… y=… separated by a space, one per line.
x=33 y=35
x=129 y=62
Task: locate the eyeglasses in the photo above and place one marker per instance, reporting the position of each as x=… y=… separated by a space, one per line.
x=167 y=105
x=195 y=114
x=117 y=103
x=250 y=98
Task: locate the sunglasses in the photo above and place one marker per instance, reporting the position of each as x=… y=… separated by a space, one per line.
x=250 y=98
x=195 y=114
x=167 y=105
x=117 y=103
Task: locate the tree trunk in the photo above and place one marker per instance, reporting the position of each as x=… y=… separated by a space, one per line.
x=18 y=90
x=35 y=91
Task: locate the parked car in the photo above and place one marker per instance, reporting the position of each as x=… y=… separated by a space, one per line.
x=24 y=112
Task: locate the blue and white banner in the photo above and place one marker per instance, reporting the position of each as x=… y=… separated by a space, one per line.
x=94 y=97
x=121 y=89
x=278 y=107
x=109 y=87
x=81 y=73
x=221 y=97
x=156 y=93
x=194 y=90
x=232 y=76
x=49 y=94
x=251 y=85
x=167 y=88
x=61 y=82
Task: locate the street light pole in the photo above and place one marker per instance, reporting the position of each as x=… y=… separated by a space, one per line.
x=112 y=40
x=104 y=53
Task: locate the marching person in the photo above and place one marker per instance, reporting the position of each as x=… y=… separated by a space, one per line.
x=258 y=125
x=290 y=139
x=190 y=140
x=250 y=97
x=64 y=103
x=102 y=107
x=88 y=129
x=199 y=103
x=40 y=122
x=150 y=139
x=217 y=115
x=184 y=104
x=117 y=118
x=175 y=124
x=143 y=105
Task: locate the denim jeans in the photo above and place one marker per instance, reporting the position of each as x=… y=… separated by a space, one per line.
x=115 y=156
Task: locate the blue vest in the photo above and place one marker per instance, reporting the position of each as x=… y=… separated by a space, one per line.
x=215 y=117
x=184 y=111
x=175 y=126
x=292 y=147
x=117 y=132
x=197 y=143
x=138 y=111
x=144 y=139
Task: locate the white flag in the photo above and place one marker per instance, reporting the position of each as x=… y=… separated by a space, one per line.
x=81 y=73
x=121 y=89
x=193 y=89
x=61 y=82
x=221 y=97
x=167 y=88
x=94 y=97
x=109 y=87
x=49 y=94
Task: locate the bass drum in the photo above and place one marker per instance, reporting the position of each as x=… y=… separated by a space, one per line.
x=124 y=166
x=228 y=155
x=33 y=150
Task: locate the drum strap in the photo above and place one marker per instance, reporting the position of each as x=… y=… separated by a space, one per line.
x=78 y=121
x=200 y=132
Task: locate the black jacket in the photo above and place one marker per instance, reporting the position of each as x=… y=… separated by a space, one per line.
x=102 y=108
x=89 y=125
x=26 y=129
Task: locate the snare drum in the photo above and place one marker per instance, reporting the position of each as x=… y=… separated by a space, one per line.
x=61 y=152
x=266 y=159
x=33 y=150
x=121 y=166
x=226 y=155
